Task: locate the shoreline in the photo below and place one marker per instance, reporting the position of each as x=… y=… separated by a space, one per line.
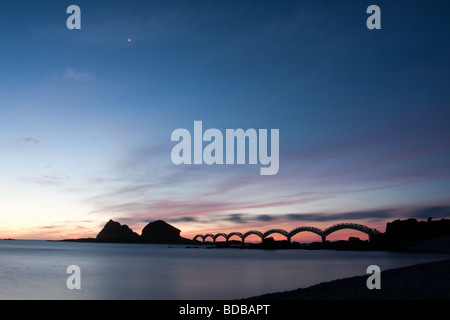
x=424 y=281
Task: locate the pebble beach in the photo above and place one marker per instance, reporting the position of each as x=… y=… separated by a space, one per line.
x=427 y=281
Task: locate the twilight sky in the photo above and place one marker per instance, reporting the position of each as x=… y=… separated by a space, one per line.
x=86 y=116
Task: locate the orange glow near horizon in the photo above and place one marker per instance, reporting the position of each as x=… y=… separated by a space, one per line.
x=58 y=232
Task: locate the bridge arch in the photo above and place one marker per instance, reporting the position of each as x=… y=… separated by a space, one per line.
x=207 y=236
x=272 y=231
x=220 y=235
x=198 y=236
x=305 y=229
x=354 y=226
x=234 y=234
x=298 y=230
x=248 y=233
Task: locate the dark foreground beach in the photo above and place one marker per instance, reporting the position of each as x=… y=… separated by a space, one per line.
x=427 y=281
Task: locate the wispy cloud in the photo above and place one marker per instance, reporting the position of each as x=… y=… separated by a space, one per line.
x=56 y=180
x=71 y=74
x=144 y=186
x=28 y=140
x=434 y=212
x=437 y=212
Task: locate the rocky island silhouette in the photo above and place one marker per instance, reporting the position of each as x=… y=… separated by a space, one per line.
x=154 y=232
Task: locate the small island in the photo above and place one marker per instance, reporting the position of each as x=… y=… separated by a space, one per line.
x=154 y=232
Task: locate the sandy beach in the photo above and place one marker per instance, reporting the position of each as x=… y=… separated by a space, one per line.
x=427 y=281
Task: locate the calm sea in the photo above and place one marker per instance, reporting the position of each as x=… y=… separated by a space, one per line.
x=38 y=270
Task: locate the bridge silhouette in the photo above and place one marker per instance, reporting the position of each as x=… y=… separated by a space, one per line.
x=322 y=233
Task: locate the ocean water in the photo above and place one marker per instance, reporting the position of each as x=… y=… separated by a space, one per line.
x=38 y=270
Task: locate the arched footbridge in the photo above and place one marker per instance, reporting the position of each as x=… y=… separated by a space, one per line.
x=289 y=234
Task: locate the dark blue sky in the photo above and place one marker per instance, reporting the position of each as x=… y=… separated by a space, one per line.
x=87 y=115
